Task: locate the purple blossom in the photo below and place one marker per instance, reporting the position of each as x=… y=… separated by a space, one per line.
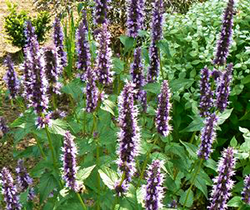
x=69 y=161
x=154 y=63
x=9 y=191
x=39 y=82
x=154 y=190
x=83 y=51
x=43 y=121
x=3 y=126
x=58 y=41
x=52 y=70
x=246 y=191
x=104 y=57
x=208 y=135
x=143 y=99
x=206 y=93
x=128 y=137
x=164 y=105
x=101 y=7
x=11 y=79
x=29 y=32
x=223 y=182
x=216 y=74
x=224 y=42
x=223 y=88
x=91 y=91
x=135 y=17
x=57 y=114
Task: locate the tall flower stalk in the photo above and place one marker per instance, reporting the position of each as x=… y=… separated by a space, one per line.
x=225 y=40
x=101 y=7
x=154 y=189
x=223 y=182
x=246 y=191
x=163 y=110
x=9 y=191
x=128 y=137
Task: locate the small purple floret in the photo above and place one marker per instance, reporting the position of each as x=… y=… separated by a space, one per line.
x=246 y=191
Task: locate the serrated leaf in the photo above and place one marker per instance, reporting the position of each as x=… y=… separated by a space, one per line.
x=84 y=173
x=192 y=149
x=58 y=127
x=128 y=42
x=118 y=65
x=190 y=199
x=201 y=185
x=153 y=88
x=235 y=202
x=108 y=106
x=222 y=117
x=196 y=125
x=108 y=176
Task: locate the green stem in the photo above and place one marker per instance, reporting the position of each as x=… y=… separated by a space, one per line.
x=192 y=137
x=192 y=182
x=54 y=101
x=40 y=148
x=51 y=146
x=81 y=201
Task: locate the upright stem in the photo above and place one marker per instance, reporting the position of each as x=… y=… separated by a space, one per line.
x=40 y=148
x=81 y=201
x=51 y=146
x=192 y=182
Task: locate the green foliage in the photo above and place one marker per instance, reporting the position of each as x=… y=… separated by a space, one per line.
x=14 y=25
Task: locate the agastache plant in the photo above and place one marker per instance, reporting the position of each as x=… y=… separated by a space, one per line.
x=9 y=191
x=52 y=70
x=208 y=135
x=58 y=38
x=206 y=93
x=29 y=32
x=163 y=110
x=153 y=189
x=101 y=7
x=82 y=47
x=246 y=191
x=225 y=40
x=223 y=182
x=69 y=162
x=135 y=17
x=11 y=79
x=223 y=88
x=128 y=137
x=105 y=76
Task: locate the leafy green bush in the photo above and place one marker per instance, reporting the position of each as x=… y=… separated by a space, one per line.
x=14 y=25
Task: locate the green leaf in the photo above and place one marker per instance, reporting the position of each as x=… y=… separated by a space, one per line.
x=235 y=202
x=178 y=84
x=245 y=80
x=233 y=142
x=196 y=125
x=210 y=163
x=108 y=106
x=74 y=88
x=190 y=199
x=192 y=149
x=58 y=127
x=201 y=185
x=153 y=88
x=128 y=43
x=118 y=65
x=222 y=117
x=84 y=173
x=108 y=176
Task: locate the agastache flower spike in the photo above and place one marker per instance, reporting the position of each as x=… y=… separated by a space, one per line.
x=135 y=17
x=101 y=7
x=91 y=91
x=83 y=51
x=223 y=88
x=154 y=189
x=246 y=191
x=223 y=182
x=11 y=79
x=69 y=161
x=224 y=42
x=29 y=32
x=128 y=137
x=104 y=57
x=9 y=191
x=52 y=70
x=162 y=116
x=58 y=41
x=3 y=126
x=154 y=63
x=206 y=93
x=157 y=20
x=208 y=135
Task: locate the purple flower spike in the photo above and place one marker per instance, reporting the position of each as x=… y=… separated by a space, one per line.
x=154 y=65
x=208 y=135
x=225 y=36
x=9 y=191
x=58 y=41
x=135 y=17
x=29 y=32
x=162 y=116
x=143 y=100
x=11 y=79
x=44 y=121
x=39 y=82
x=157 y=20
x=246 y=191
x=83 y=51
x=128 y=137
x=91 y=91
x=223 y=88
x=101 y=7
x=154 y=189
x=52 y=70
x=69 y=161
x=223 y=182
x=206 y=93
x=104 y=57
x=3 y=126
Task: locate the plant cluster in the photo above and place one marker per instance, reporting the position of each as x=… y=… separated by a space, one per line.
x=120 y=131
